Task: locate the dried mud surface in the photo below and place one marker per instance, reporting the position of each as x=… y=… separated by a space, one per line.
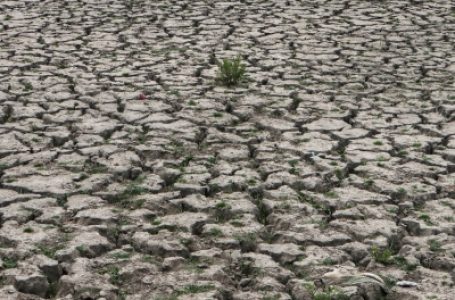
x=126 y=172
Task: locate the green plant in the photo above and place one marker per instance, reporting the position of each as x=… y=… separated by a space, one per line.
x=83 y=251
x=271 y=297
x=222 y=212
x=231 y=71
x=400 y=193
x=121 y=255
x=170 y=297
x=402 y=153
x=156 y=222
x=328 y=261
x=215 y=232
x=383 y=256
x=194 y=289
x=9 y=263
x=52 y=290
x=94 y=168
x=449 y=218
x=134 y=188
x=247 y=268
x=293 y=162
x=329 y=293
x=331 y=194
x=62 y=200
x=150 y=259
x=381 y=158
x=236 y=223
x=263 y=212
x=427 y=219
x=177 y=148
x=113 y=272
x=193 y=265
x=211 y=160
x=50 y=251
x=247 y=241
x=403 y=264
x=268 y=235
x=28 y=86
x=339 y=173
x=293 y=171
x=368 y=183
x=435 y=245
x=389 y=281
x=28 y=230
x=251 y=181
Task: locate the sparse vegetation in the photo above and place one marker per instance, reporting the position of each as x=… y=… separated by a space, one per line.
x=329 y=261
x=400 y=193
x=248 y=147
x=222 y=212
x=383 y=256
x=27 y=86
x=435 y=245
x=329 y=293
x=28 y=230
x=427 y=219
x=247 y=241
x=263 y=212
x=331 y=194
x=215 y=232
x=402 y=153
x=403 y=264
x=187 y=289
x=50 y=250
x=134 y=188
x=94 y=168
x=113 y=272
x=271 y=297
x=368 y=183
x=231 y=72
x=195 y=289
x=247 y=268
x=121 y=255
x=83 y=251
x=9 y=263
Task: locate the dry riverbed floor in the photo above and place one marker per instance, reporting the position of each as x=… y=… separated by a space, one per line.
x=128 y=172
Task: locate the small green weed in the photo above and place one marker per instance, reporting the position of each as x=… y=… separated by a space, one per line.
x=9 y=263
x=231 y=71
x=329 y=293
x=247 y=241
x=215 y=232
x=114 y=274
x=28 y=230
x=383 y=256
x=195 y=289
x=427 y=219
x=435 y=245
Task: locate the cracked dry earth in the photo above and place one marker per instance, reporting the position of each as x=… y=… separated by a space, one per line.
x=128 y=173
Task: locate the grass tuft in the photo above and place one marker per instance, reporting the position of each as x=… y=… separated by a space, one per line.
x=231 y=72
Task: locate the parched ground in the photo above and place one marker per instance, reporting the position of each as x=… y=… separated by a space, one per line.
x=127 y=172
